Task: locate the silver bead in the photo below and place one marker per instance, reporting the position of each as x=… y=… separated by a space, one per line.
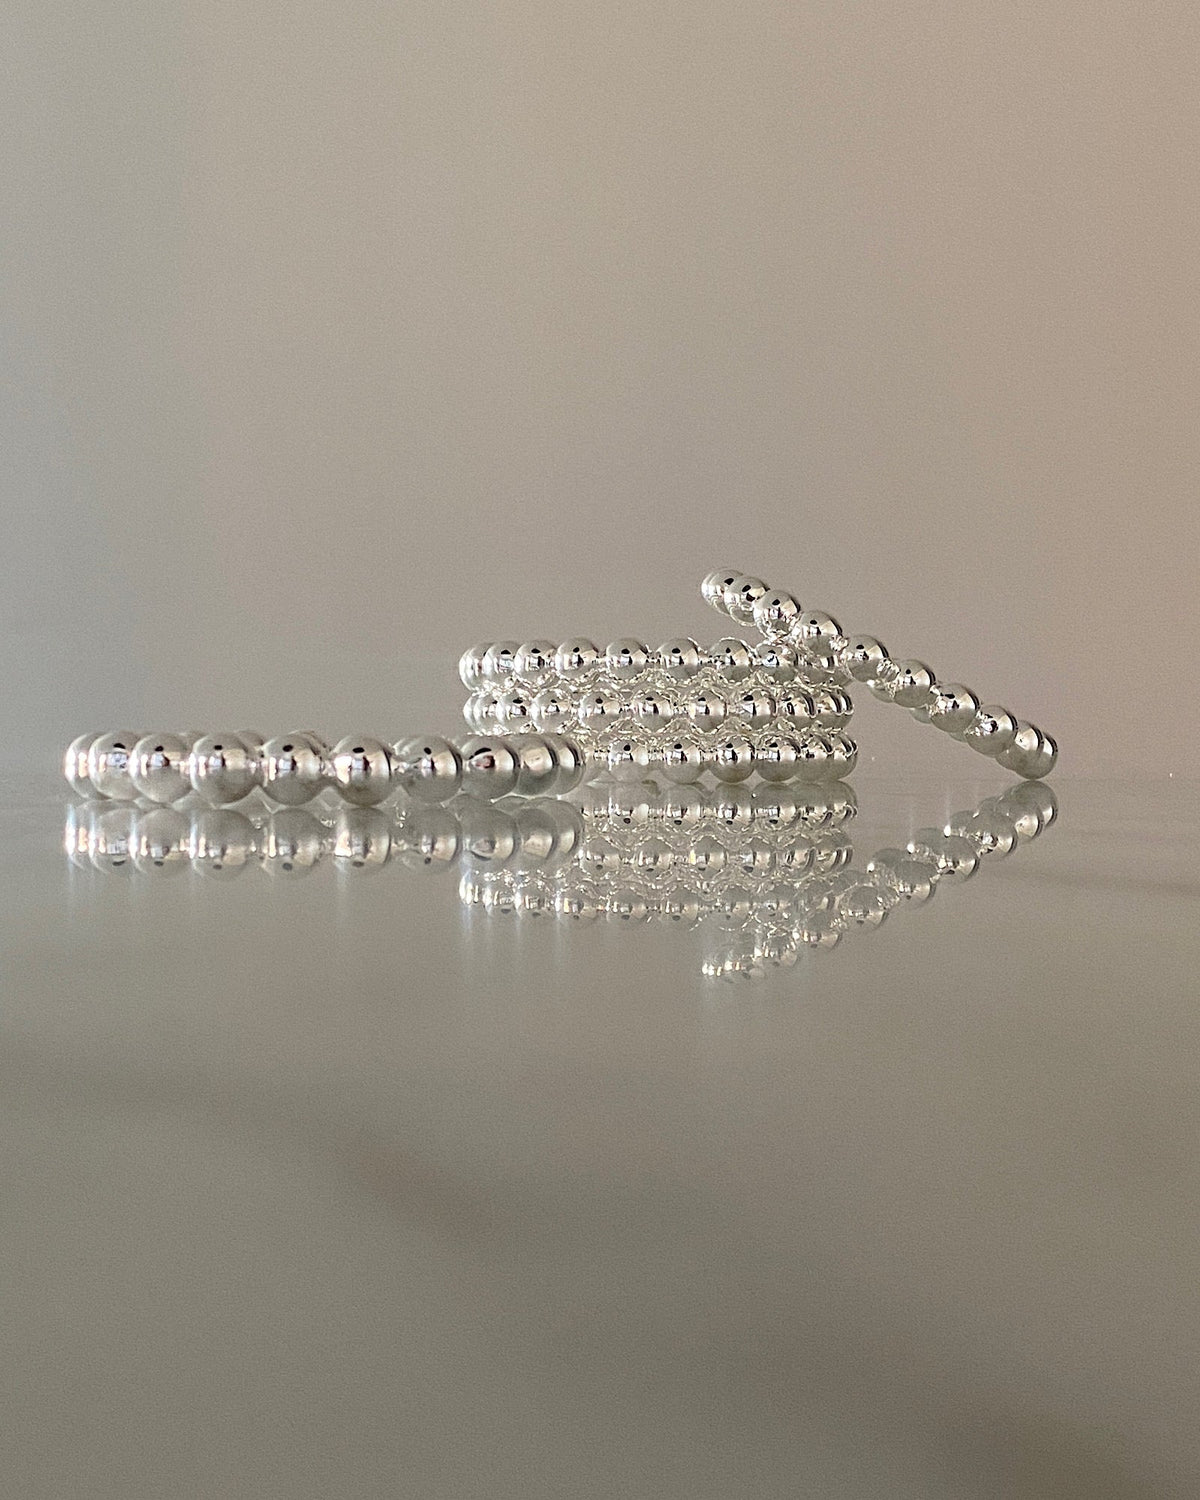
x=427 y=767
x=470 y=665
x=731 y=658
x=752 y=710
x=482 y=710
x=705 y=710
x=774 y=613
x=108 y=764
x=813 y=755
x=293 y=768
x=158 y=767
x=551 y=710
x=733 y=759
x=291 y=843
x=628 y=760
x=775 y=758
x=514 y=709
x=535 y=661
x=683 y=762
x=776 y=660
x=652 y=710
x=489 y=767
x=220 y=842
x=843 y=756
x=361 y=770
x=570 y=763
x=362 y=839
x=714 y=586
x=625 y=659
x=75 y=764
x=992 y=730
x=814 y=630
x=500 y=660
x=160 y=841
x=576 y=658
x=1032 y=753
x=952 y=708
x=914 y=684
x=678 y=658
x=796 y=707
x=223 y=769
x=741 y=596
x=599 y=711
x=537 y=765
x=863 y=655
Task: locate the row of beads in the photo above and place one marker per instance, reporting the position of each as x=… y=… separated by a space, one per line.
x=578 y=662
x=729 y=758
x=607 y=708
x=120 y=838
x=736 y=809
x=222 y=769
x=987 y=728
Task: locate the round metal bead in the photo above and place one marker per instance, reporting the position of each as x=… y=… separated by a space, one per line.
x=1032 y=753
x=570 y=764
x=537 y=765
x=428 y=768
x=814 y=630
x=705 y=710
x=576 y=658
x=741 y=596
x=292 y=843
x=678 y=658
x=223 y=769
x=551 y=710
x=991 y=731
x=952 y=708
x=535 y=661
x=731 y=658
x=293 y=768
x=775 y=612
x=599 y=711
x=683 y=762
x=863 y=655
x=75 y=764
x=796 y=707
x=733 y=759
x=813 y=755
x=752 y=710
x=843 y=756
x=500 y=660
x=470 y=665
x=914 y=684
x=108 y=764
x=775 y=758
x=514 y=709
x=652 y=710
x=625 y=659
x=489 y=767
x=628 y=760
x=714 y=587
x=158 y=767
x=361 y=770
x=776 y=660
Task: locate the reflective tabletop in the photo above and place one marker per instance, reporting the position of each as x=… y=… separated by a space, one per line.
x=713 y=1148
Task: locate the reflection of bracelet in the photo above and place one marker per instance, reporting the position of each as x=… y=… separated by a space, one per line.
x=775 y=864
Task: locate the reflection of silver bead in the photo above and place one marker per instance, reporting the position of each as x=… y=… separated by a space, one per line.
x=489 y=767
x=111 y=839
x=429 y=769
x=220 y=842
x=362 y=839
x=75 y=765
x=160 y=842
x=360 y=768
x=293 y=768
x=488 y=836
x=108 y=766
x=430 y=839
x=158 y=767
x=223 y=769
x=992 y=730
x=292 y=842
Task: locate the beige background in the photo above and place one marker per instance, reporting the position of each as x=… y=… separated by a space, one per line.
x=337 y=336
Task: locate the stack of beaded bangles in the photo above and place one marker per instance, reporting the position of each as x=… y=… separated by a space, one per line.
x=776 y=706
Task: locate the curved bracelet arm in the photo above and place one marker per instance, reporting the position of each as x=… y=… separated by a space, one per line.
x=988 y=728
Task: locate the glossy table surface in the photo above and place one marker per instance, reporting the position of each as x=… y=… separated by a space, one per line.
x=339 y=1186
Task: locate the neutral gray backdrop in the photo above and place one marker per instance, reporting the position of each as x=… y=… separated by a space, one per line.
x=335 y=337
